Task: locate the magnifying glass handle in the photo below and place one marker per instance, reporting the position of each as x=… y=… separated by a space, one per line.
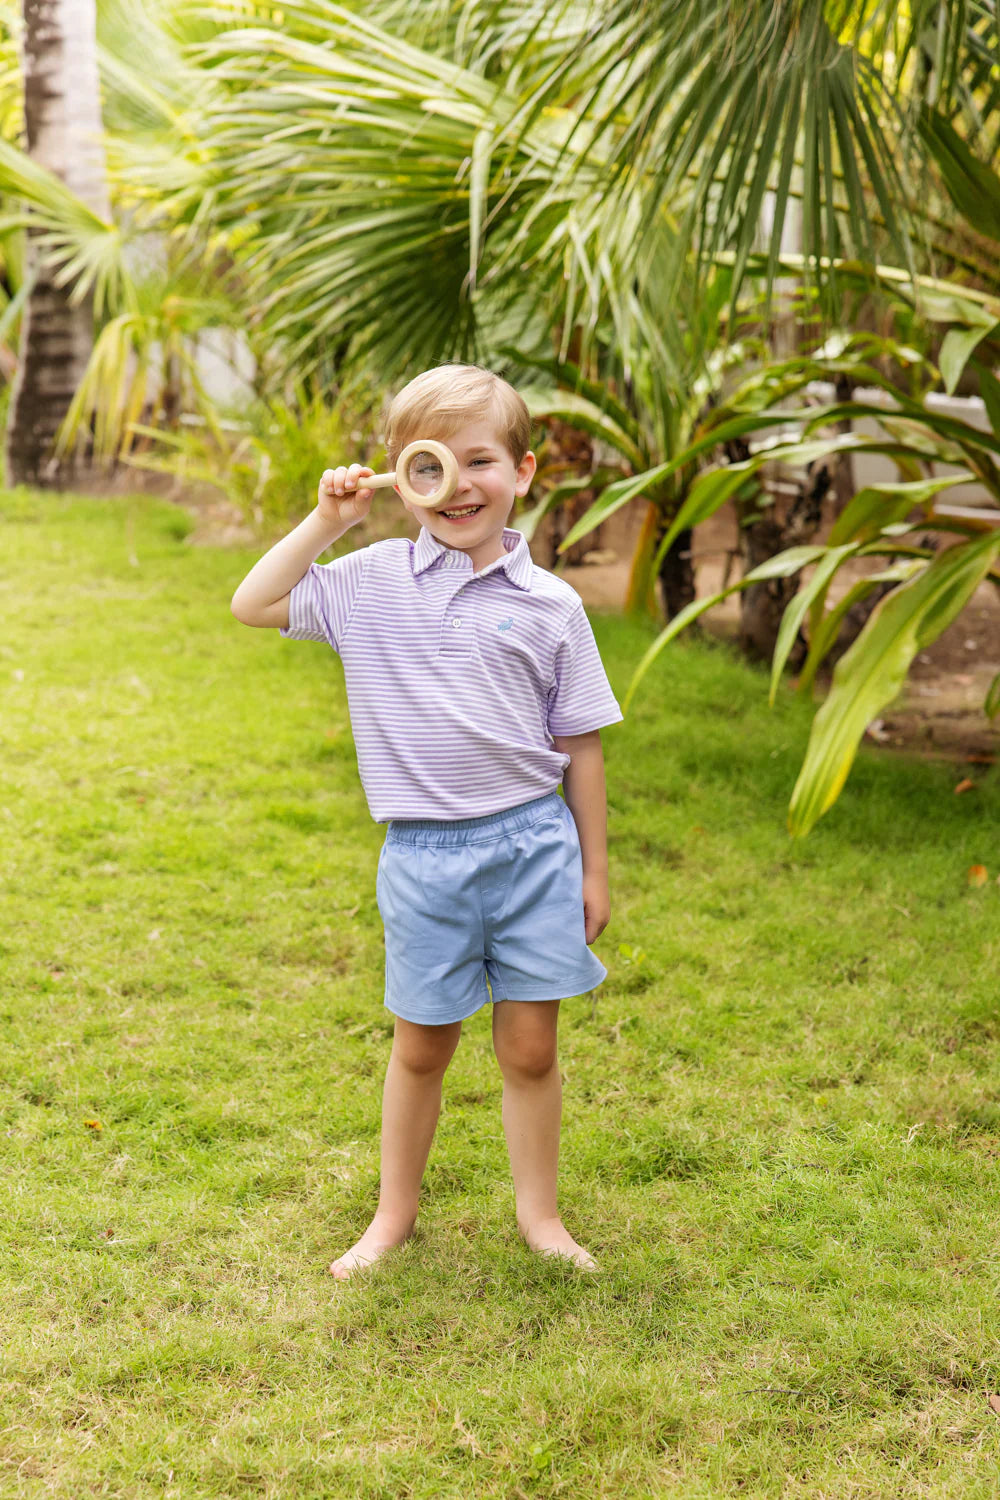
x=377 y=482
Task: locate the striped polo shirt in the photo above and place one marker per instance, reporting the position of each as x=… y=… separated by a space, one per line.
x=456 y=680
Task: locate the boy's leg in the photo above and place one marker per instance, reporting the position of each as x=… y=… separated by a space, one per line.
x=411 y=1102
x=524 y=1039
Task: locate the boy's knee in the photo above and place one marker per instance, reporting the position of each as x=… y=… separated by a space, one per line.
x=529 y=1054
x=425 y=1049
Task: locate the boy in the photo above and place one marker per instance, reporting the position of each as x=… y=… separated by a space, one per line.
x=475 y=688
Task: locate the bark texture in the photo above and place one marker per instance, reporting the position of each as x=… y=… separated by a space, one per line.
x=572 y=449
x=763 y=534
x=677 y=579
x=63 y=126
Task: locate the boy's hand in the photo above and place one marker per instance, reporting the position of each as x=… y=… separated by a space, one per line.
x=340 y=500
x=596 y=905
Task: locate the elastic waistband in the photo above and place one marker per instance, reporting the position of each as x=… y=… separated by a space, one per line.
x=473 y=830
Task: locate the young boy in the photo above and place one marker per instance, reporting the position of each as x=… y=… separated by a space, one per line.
x=475 y=689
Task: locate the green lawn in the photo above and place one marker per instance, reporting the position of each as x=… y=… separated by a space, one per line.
x=782 y=1113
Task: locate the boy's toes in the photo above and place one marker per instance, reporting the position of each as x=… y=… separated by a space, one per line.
x=376 y=1240
x=353 y=1261
x=578 y=1255
x=550 y=1237
x=346 y=1265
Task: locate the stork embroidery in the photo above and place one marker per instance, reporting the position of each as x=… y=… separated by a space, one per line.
x=507 y=624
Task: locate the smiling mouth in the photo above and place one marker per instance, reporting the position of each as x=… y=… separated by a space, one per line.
x=461 y=515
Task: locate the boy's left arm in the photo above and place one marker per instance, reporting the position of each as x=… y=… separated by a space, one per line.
x=583 y=788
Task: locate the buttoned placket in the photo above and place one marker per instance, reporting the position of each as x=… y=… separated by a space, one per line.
x=457 y=625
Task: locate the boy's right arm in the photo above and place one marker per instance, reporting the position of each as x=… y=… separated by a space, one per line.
x=262 y=597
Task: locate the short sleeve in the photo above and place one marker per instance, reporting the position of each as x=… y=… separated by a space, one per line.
x=581 y=698
x=321 y=603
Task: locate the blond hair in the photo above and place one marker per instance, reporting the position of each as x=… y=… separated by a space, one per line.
x=440 y=401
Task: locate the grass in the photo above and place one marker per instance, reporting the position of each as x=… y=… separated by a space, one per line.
x=782 y=1110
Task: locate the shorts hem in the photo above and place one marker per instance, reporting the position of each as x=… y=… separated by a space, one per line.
x=547 y=994
x=436 y=1020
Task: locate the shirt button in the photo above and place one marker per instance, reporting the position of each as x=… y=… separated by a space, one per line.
x=456 y=624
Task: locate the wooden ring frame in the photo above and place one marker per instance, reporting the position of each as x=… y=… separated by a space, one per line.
x=400 y=478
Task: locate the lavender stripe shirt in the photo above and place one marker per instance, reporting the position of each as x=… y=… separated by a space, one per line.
x=456 y=680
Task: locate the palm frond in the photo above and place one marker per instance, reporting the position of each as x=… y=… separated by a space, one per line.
x=85 y=249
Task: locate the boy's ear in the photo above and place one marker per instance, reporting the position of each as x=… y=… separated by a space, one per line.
x=524 y=474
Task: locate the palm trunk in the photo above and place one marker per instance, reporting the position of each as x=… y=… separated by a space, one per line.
x=62 y=113
x=568 y=446
x=677 y=579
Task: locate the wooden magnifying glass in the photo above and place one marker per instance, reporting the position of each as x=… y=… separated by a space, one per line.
x=426 y=474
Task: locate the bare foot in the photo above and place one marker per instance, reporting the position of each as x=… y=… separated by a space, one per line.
x=381 y=1235
x=550 y=1237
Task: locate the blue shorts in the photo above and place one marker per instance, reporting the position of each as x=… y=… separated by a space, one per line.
x=497 y=898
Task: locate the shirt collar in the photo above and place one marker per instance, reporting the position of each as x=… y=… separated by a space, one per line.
x=516 y=562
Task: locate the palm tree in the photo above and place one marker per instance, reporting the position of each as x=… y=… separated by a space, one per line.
x=396 y=184
x=538 y=159
x=388 y=184
x=62 y=120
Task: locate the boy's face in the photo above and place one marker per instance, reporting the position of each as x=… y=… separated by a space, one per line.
x=488 y=483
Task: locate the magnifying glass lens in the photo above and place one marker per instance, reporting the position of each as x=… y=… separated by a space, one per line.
x=425 y=473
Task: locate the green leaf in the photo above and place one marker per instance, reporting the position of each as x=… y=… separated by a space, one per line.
x=529 y=521
x=13 y=310
x=479 y=174
x=84 y=250
x=828 y=628
x=795 y=610
x=715 y=486
x=578 y=411
x=928 y=429
x=877 y=506
x=972 y=186
x=989 y=389
x=957 y=348
x=992 y=704
x=782 y=565
x=569 y=377
x=872 y=672
x=613 y=498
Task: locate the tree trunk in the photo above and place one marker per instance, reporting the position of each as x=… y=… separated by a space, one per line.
x=763 y=604
x=844 y=486
x=763 y=534
x=566 y=445
x=677 y=579
x=62 y=113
